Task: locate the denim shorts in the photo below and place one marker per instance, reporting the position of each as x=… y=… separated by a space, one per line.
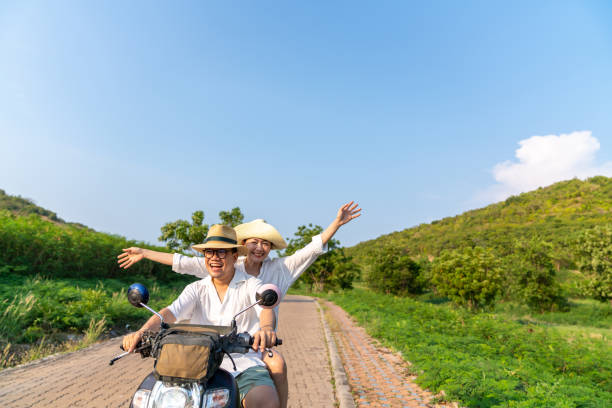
x=253 y=377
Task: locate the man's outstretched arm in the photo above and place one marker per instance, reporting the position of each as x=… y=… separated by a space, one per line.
x=134 y=254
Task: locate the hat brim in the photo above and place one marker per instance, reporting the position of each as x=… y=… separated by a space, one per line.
x=262 y=230
x=219 y=245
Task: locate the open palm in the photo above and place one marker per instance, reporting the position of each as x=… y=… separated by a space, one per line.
x=348 y=212
x=129 y=257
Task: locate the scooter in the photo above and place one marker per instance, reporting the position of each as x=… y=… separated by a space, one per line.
x=187 y=358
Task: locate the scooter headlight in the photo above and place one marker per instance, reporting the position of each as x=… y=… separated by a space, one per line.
x=167 y=395
x=141 y=398
x=216 y=398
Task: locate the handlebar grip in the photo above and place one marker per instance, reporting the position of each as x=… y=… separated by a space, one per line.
x=278 y=341
x=121 y=347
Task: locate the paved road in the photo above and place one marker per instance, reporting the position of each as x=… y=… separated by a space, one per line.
x=84 y=378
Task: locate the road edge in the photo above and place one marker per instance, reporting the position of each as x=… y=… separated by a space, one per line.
x=342 y=387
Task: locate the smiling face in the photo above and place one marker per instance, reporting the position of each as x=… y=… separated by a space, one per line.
x=258 y=249
x=220 y=263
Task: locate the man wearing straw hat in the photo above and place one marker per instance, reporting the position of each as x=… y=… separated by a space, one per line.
x=259 y=238
x=215 y=300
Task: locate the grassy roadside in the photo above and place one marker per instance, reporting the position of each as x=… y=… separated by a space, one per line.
x=500 y=359
x=39 y=316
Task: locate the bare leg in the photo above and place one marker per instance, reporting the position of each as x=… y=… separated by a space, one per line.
x=278 y=371
x=262 y=396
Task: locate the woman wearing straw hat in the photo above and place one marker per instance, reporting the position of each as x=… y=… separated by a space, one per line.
x=259 y=238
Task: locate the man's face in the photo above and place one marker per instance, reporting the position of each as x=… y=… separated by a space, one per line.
x=258 y=249
x=220 y=262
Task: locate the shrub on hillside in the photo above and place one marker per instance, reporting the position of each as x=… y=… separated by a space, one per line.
x=394 y=272
x=469 y=277
x=594 y=259
x=534 y=276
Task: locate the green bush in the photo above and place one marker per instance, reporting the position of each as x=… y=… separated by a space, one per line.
x=394 y=272
x=470 y=277
x=594 y=258
x=534 y=276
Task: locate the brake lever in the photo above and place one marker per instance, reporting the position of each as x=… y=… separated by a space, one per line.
x=125 y=354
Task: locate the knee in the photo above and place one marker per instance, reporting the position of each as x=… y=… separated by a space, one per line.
x=276 y=364
x=261 y=397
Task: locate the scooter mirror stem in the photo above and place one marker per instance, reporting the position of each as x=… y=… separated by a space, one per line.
x=155 y=313
x=245 y=309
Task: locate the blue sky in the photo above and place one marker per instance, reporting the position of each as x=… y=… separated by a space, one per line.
x=126 y=116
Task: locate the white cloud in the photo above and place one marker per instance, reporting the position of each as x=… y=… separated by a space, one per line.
x=543 y=160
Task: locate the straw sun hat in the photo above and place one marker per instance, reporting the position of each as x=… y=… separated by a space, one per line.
x=220 y=237
x=262 y=230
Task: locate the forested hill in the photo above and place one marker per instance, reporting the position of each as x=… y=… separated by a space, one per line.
x=24 y=206
x=556 y=213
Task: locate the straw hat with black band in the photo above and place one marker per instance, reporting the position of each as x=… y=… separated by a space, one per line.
x=262 y=230
x=221 y=237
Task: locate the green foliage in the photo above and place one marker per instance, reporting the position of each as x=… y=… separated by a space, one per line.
x=471 y=277
x=179 y=235
x=232 y=218
x=33 y=245
x=486 y=360
x=594 y=253
x=535 y=275
x=394 y=272
x=331 y=271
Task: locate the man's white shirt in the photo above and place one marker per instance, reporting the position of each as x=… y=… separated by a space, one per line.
x=200 y=304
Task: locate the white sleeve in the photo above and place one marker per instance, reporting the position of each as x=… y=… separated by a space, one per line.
x=182 y=308
x=297 y=263
x=189 y=265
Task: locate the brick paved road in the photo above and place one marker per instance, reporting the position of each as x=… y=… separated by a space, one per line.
x=306 y=353
x=84 y=378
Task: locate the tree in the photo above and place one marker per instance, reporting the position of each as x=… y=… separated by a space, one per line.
x=394 y=272
x=470 y=276
x=232 y=218
x=181 y=234
x=333 y=270
x=594 y=259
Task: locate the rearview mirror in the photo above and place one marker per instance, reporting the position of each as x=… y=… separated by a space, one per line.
x=138 y=294
x=268 y=296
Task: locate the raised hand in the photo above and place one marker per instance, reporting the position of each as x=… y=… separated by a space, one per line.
x=129 y=257
x=348 y=212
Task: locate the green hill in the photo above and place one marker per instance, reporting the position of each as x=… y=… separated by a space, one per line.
x=34 y=240
x=24 y=206
x=557 y=213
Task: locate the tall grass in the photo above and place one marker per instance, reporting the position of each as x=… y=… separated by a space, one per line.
x=41 y=316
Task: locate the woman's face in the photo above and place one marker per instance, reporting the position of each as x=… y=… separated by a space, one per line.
x=258 y=249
